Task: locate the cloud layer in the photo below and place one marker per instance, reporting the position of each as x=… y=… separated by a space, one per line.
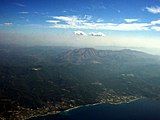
x=131 y=20
x=75 y=22
x=24 y=12
x=154 y=10
x=8 y=24
x=97 y=34
x=156 y=22
x=79 y=33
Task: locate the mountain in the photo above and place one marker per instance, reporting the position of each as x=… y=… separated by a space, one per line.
x=36 y=80
x=24 y=56
x=93 y=56
x=45 y=55
x=79 y=56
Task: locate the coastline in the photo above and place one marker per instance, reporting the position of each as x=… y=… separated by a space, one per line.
x=127 y=101
x=82 y=106
x=87 y=105
x=49 y=113
x=101 y=103
x=58 y=112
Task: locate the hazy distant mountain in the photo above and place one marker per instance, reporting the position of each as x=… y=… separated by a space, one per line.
x=24 y=56
x=79 y=56
x=91 y=55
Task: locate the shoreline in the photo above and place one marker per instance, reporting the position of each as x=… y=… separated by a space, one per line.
x=49 y=113
x=82 y=106
x=87 y=105
x=101 y=103
x=58 y=112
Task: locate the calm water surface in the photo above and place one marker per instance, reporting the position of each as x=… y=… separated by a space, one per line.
x=144 y=109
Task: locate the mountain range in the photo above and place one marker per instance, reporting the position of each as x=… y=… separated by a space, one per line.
x=32 y=78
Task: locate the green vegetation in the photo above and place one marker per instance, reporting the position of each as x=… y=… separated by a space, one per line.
x=52 y=80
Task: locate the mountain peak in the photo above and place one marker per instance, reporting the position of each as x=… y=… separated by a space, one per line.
x=93 y=56
x=86 y=51
x=78 y=56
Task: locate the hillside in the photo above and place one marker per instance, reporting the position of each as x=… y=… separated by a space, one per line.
x=38 y=77
x=91 y=55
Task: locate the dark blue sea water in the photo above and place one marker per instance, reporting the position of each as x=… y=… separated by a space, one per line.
x=144 y=109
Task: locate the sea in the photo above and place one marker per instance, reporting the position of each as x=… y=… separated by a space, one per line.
x=142 y=109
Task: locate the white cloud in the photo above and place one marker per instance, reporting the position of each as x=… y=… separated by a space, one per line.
x=79 y=33
x=155 y=22
x=99 y=20
x=156 y=28
x=19 y=4
x=154 y=10
x=104 y=26
x=53 y=21
x=97 y=34
x=8 y=24
x=132 y=26
x=24 y=12
x=70 y=20
x=64 y=11
x=131 y=20
x=75 y=22
x=88 y=17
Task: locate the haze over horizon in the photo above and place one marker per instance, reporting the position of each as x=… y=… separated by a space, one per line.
x=95 y=57
x=81 y=23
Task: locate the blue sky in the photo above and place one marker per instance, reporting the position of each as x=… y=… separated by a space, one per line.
x=135 y=21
